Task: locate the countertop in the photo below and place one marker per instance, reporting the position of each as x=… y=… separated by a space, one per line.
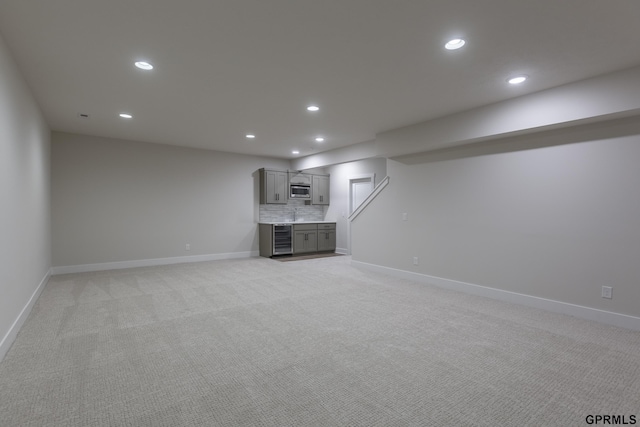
x=297 y=222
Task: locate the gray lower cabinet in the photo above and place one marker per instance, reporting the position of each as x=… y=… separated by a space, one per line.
x=326 y=237
x=305 y=238
x=265 y=239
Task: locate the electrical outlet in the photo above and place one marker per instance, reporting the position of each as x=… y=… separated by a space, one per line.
x=415 y=260
x=607 y=292
x=187 y=247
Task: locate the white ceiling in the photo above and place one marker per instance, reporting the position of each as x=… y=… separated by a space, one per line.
x=225 y=68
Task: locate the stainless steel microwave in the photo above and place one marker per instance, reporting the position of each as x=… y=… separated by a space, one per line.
x=299 y=191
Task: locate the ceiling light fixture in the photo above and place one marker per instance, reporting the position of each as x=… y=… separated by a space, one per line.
x=295 y=152
x=516 y=80
x=319 y=139
x=313 y=108
x=144 y=65
x=454 y=44
x=250 y=135
x=126 y=116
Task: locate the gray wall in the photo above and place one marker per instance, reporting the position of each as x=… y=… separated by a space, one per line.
x=555 y=215
x=115 y=200
x=25 y=244
x=339 y=208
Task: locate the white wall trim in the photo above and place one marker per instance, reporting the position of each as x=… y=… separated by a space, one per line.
x=83 y=268
x=342 y=251
x=12 y=333
x=378 y=188
x=588 y=313
x=369 y=176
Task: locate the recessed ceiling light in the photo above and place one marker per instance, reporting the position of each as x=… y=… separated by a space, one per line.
x=517 y=80
x=313 y=108
x=454 y=44
x=295 y=152
x=319 y=139
x=144 y=65
x=126 y=116
x=250 y=135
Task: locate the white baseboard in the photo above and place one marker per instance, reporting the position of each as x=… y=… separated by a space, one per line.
x=608 y=317
x=11 y=335
x=84 y=268
x=342 y=251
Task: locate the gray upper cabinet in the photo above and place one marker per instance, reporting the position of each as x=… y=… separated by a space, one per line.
x=320 y=190
x=274 y=186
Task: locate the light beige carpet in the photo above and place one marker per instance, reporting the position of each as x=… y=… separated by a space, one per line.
x=258 y=342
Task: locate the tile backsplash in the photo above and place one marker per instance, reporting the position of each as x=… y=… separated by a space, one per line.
x=275 y=213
